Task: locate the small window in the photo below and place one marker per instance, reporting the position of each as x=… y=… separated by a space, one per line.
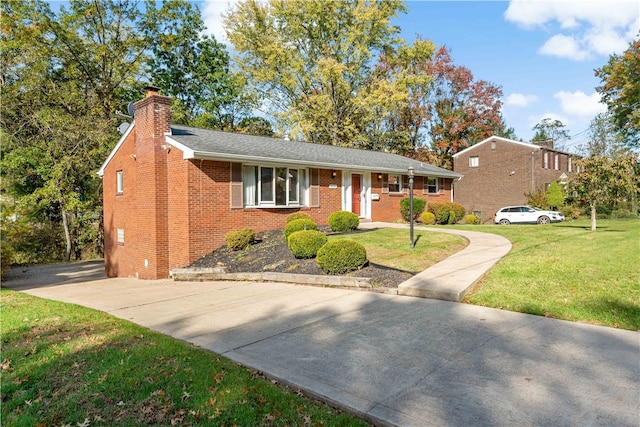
x=431 y=185
x=120 y=236
x=395 y=183
x=119 y=182
x=556 y=162
x=493 y=145
x=569 y=166
x=474 y=162
x=545 y=160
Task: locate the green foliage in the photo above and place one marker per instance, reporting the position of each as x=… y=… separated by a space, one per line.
x=620 y=90
x=297 y=215
x=554 y=195
x=471 y=219
x=341 y=256
x=6 y=256
x=418 y=207
x=537 y=198
x=319 y=86
x=34 y=242
x=447 y=212
x=342 y=221
x=306 y=243
x=571 y=211
x=298 y=225
x=240 y=239
x=428 y=218
x=551 y=129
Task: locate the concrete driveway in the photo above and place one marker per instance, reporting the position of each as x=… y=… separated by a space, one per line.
x=394 y=360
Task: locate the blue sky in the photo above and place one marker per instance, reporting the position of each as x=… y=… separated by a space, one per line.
x=541 y=52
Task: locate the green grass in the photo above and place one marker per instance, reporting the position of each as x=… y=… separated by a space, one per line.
x=565 y=271
x=390 y=247
x=68 y=365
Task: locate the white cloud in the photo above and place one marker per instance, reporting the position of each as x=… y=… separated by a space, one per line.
x=564 y=47
x=212 y=11
x=580 y=104
x=593 y=27
x=520 y=100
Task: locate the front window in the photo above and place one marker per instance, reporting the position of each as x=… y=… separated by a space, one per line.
x=395 y=183
x=273 y=186
x=432 y=185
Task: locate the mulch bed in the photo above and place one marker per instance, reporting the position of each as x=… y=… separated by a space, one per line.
x=270 y=253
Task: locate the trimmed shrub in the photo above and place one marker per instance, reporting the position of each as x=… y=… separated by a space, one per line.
x=341 y=256
x=298 y=225
x=297 y=215
x=447 y=212
x=471 y=219
x=428 y=218
x=240 y=239
x=306 y=243
x=418 y=207
x=343 y=221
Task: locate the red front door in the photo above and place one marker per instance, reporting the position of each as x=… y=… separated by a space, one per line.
x=356 y=189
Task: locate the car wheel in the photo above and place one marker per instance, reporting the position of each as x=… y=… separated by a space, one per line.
x=504 y=221
x=544 y=220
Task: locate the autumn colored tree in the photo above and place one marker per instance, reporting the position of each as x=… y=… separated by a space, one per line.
x=461 y=111
x=310 y=60
x=620 y=90
x=603 y=180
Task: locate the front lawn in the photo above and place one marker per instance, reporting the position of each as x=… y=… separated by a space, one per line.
x=566 y=271
x=68 y=365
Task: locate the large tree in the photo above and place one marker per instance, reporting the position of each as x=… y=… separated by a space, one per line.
x=602 y=180
x=605 y=139
x=194 y=70
x=461 y=111
x=620 y=90
x=65 y=74
x=311 y=59
x=551 y=130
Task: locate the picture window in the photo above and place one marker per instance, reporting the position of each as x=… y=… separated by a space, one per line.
x=273 y=186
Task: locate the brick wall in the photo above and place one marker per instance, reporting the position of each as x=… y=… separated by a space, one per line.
x=506 y=172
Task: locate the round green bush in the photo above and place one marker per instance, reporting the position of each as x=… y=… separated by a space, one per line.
x=471 y=219
x=447 y=212
x=418 y=207
x=428 y=218
x=297 y=225
x=306 y=243
x=341 y=221
x=341 y=256
x=297 y=215
x=240 y=239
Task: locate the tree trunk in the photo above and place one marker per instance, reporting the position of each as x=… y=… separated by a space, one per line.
x=67 y=235
x=593 y=217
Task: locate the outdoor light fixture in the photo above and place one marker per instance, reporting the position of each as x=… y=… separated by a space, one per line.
x=379 y=176
x=411 y=171
x=334 y=173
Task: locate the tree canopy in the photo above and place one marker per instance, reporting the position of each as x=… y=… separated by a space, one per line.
x=620 y=90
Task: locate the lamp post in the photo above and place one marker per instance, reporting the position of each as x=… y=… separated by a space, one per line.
x=411 y=205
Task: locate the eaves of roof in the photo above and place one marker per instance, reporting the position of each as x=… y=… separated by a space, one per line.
x=209 y=144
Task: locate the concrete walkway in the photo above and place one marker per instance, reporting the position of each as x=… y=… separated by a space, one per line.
x=393 y=360
x=452 y=278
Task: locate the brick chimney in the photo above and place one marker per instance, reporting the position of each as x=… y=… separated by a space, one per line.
x=152 y=117
x=547 y=143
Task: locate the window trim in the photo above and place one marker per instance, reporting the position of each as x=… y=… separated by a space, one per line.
x=302 y=183
x=399 y=183
x=120 y=182
x=474 y=161
x=426 y=185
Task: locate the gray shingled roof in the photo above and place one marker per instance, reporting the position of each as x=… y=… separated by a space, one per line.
x=210 y=144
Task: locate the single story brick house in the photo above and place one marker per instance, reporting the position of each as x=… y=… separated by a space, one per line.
x=171 y=192
x=499 y=172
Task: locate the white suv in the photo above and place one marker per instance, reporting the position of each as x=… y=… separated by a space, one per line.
x=526 y=214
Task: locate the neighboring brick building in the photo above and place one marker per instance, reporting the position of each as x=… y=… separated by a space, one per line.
x=499 y=172
x=172 y=192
